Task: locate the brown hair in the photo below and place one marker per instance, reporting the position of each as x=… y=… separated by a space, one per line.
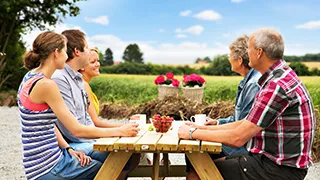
x=42 y=47
x=76 y=40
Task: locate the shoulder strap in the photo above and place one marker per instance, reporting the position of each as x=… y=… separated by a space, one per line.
x=33 y=84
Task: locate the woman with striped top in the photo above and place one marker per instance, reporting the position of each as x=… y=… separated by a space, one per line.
x=46 y=154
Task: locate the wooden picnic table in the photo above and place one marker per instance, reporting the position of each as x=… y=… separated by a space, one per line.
x=121 y=149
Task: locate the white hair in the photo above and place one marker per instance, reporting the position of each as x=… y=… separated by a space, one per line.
x=270 y=41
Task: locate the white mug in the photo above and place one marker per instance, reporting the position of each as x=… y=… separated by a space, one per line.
x=199 y=119
x=140 y=119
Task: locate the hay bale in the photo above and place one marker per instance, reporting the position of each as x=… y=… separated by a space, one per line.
x=175 y=106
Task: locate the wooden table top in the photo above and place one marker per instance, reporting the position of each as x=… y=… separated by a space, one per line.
x=151 y=141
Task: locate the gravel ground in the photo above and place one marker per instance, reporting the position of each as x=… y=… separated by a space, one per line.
x=11 y=150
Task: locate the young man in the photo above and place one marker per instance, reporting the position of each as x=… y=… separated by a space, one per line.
x=280 y=127
x=71 y=87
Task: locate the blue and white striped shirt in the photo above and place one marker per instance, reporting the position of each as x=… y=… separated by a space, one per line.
x=40 y=147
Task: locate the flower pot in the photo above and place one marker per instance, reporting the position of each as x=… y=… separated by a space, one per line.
x=193 y=93
x=164 y=91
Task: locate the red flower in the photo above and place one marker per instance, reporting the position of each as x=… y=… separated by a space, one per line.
x=159 y=80
x=169 y=75
x=168 y=80
x=175 y=82
x=193 y=80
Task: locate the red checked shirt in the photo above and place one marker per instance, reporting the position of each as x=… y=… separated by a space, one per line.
x=284 y=109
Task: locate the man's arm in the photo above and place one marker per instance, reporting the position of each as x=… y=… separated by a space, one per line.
x=93 y=114
x=227 y=126
x=230 y=136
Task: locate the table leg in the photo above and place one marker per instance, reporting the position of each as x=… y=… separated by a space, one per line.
x=204 y=166
x=113 y=165
x=166 y=163
x=155 y=167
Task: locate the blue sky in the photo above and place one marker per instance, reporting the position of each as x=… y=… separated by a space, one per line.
x=177 y=31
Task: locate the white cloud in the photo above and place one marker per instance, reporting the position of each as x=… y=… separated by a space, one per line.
x=237 y=1
x=185 y=13
x=194 y=30
x=180 y=36
x=300 y=49
x=59 y=28
x=309 y=25
x=162 y=30
x=104 y=20
x=208 y=15
x=159 y=53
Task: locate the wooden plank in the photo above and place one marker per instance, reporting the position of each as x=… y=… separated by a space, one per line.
x=126 y=143
x=113 y=165
x=204 y=166
x=168 y=142
x=211 y=147
x=189 y=145
x=104 y=144
x=155 y=168
x=148 y=141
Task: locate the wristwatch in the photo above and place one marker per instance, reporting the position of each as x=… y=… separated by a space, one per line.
x=191 y=130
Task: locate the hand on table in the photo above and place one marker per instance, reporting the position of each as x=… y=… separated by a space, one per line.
x=183 y=132
x=129 y=129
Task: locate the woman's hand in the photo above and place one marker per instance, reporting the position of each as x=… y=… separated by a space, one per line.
x=84 y=159
x=129 y=129
x=210 y=122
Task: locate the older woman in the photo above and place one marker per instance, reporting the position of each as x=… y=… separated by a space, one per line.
x=247 y=89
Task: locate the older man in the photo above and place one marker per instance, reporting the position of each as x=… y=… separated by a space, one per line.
x=279 y=129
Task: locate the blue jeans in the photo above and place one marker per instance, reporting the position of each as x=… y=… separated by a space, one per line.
x=229 y=151
x=69 y=168
x=87 y=148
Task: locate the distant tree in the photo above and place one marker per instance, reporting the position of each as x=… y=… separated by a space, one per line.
x=132 y=53
x=207 y=59
x=197 y=60
x=315 y=72
x=108 y=58
x=101 y=57
x=300 y=69
x=293 y=58
x=220 y=66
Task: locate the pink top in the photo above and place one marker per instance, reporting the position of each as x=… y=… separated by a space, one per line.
x=25 y=99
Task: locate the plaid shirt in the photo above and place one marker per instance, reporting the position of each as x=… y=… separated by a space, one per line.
x=284 y=109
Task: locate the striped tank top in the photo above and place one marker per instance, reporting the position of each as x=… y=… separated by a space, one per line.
x=40 y=147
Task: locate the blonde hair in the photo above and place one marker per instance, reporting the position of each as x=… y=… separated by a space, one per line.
x=95 y=50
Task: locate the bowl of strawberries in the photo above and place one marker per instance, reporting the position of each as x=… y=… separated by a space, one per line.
x=161 y=123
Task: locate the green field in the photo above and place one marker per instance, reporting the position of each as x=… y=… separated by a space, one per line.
x=137 y=89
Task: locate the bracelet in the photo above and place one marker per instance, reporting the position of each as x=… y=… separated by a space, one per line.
x=218 y=122
x=68 y=148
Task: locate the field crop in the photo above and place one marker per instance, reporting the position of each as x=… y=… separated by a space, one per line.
x=137 y=89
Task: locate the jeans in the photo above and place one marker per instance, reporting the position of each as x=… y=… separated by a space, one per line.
x=229 y=151
x=87 y=148
x=69 y=168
